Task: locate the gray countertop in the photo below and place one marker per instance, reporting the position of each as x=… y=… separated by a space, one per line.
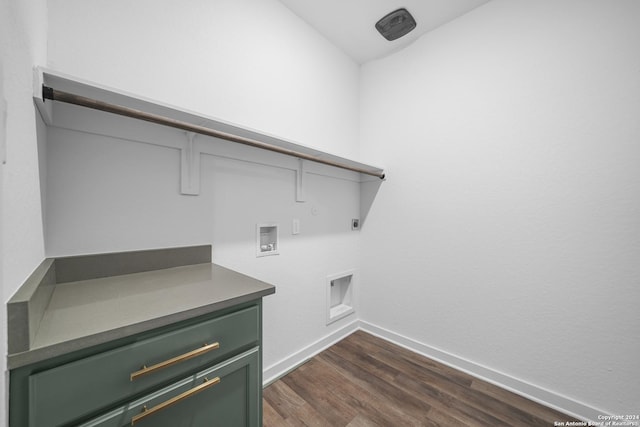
x=84 y=313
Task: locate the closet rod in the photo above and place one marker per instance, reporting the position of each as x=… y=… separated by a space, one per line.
x=57 y=95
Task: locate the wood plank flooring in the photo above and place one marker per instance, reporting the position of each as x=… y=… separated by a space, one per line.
x=366 y=381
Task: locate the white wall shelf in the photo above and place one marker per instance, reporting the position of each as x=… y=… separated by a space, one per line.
x=190 y=145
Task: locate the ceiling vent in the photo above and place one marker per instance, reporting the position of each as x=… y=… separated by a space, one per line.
x=396 y=24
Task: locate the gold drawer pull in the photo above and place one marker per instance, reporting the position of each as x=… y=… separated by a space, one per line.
x=194 y=353
x=146 y=412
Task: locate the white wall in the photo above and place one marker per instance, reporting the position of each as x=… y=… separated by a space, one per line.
x=22 y=44
x=508 y=232
x=273 y=73
x=508 y=228
x=250 y=62
x=106 y=194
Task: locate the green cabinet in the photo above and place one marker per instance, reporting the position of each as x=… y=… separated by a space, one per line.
x=218 y=396
x=200 y=372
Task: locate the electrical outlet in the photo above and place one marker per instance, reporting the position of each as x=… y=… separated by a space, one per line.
x=355 y=224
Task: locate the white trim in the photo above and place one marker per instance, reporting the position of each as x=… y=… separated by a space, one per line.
x=288 y=364
x=527 y=390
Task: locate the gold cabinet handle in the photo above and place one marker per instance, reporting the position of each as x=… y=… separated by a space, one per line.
x=194 y=353
x=146 y=412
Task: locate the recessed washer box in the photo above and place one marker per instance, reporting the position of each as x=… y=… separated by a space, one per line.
x=267 y=239
x=340 y=301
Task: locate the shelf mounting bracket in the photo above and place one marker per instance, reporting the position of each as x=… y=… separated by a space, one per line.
x=190 y=167
x=300 y=182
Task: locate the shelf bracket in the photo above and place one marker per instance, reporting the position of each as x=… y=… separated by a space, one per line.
x=300 y=182
x=190 y=167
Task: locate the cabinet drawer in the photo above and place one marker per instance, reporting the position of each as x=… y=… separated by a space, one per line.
x=60 y=395
x=227 y=394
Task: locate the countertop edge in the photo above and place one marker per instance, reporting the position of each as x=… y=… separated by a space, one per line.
x=28 y=357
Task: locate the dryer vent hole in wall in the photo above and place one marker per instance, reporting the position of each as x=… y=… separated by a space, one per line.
x=339 y=296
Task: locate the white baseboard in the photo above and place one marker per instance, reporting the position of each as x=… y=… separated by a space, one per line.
x=288 y=364
x=532 y=392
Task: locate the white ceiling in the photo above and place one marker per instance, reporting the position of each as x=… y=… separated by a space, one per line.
x=350 y=24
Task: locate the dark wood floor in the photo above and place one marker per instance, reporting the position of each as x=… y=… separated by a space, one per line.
x=366 y=381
